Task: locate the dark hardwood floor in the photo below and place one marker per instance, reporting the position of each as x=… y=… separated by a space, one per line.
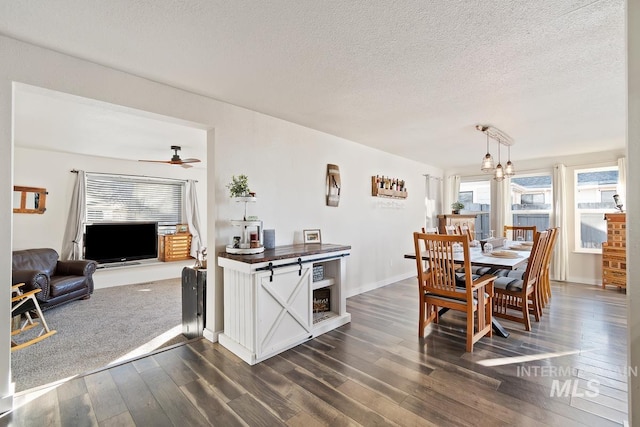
x=373 y=371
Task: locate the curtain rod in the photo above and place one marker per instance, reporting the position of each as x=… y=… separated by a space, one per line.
x=137 y=176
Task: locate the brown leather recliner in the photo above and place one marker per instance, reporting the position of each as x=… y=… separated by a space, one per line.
x=60 y=281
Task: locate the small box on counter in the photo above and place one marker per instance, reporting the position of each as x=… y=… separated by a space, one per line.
x=318 y=273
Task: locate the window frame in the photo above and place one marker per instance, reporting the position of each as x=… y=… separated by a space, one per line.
x=577 y=243
x=548 y=212
x=479 y=214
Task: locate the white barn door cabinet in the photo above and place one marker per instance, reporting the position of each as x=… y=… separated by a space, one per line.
x=269 y=303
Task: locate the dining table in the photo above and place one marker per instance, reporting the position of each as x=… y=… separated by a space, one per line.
x=511 y=256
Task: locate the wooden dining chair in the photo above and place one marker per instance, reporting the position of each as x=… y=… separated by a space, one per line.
x=437 y=286
x=451 y=230
x=519 y=293
x=545 y=282
x=430 y=230
x=465 y=230
x=519 y=232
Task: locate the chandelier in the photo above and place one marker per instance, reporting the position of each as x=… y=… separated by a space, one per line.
x=499 y=172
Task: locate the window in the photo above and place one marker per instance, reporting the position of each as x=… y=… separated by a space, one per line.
x=126 y=198
x=594 y=190
x=531 y=200
x=466 y=197
x=477 y=200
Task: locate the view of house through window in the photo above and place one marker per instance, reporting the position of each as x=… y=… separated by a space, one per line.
x=594 y=190
x=476 y=197
x=531 y=200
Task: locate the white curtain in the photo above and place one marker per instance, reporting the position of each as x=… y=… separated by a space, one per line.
x=193 y=217
x=506 y=205
x=621 y=188
x=500 y=205
x=74 y=230
x=451 y=191
x=559 y=219
x=432 y=200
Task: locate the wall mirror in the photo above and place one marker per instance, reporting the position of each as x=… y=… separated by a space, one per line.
x=29 y=200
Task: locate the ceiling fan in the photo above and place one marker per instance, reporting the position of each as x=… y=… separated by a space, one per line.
x=175 y=159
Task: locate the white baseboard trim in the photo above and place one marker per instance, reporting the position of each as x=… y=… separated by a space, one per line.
x=6 y=402
x=211 y=335
x=379 y=284
x=584 y=280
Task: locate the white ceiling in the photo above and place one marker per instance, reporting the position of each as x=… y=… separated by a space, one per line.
x=54 y=121
x=408 y=77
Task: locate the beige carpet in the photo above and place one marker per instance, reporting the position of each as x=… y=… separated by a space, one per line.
x=113 y=324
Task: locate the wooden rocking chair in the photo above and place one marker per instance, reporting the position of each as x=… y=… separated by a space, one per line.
x=26 y=305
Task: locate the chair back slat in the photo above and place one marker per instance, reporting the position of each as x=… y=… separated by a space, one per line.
x=465 y=230
x=536 y=259
x=451 y=229
x=520 y=232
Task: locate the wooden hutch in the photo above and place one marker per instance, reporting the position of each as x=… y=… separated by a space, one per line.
x=456 y=220
x=614 y=251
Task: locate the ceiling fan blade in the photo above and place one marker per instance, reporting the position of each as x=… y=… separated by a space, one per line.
x=186 y=165
x=175 y=159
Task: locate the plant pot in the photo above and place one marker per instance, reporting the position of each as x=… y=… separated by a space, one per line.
x=455 y=212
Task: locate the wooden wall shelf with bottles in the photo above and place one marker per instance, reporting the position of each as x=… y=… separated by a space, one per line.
x=388 y=187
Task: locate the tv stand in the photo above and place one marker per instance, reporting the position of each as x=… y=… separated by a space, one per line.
x=119 y=264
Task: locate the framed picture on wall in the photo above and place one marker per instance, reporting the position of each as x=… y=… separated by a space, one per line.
x=312 y=236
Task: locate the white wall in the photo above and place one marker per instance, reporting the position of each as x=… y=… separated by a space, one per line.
x=583 y=267
x=286 y=164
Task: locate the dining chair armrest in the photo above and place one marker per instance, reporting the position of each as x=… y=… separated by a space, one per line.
x=485 y=281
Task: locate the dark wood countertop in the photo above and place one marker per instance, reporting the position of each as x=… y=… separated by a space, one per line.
x=287 y=251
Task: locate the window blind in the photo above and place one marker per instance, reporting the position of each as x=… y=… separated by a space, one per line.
x=125 y=198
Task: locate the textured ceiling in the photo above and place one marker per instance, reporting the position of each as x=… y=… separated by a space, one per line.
x=408 y=77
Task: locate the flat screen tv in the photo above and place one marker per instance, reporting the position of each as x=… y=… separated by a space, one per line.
x=121 y=241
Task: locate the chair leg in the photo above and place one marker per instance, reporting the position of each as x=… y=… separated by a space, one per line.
x=488 y=315
x=421 y=317
x=470 y=336
x=535 y=301
x=525 y=315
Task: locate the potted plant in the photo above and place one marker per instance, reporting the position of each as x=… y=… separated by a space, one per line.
x=239 y=186
x=457 y=206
